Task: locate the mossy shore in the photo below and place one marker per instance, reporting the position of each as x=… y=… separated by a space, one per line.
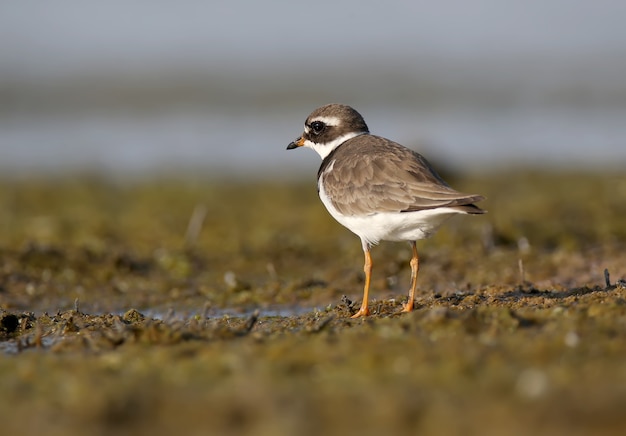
x=212 y=306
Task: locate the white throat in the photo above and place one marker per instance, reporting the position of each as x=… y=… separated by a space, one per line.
x=325 y=149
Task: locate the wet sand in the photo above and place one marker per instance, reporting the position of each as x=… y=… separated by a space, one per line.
x=222 y=307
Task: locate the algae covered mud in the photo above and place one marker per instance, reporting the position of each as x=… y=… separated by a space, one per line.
x=209 y=307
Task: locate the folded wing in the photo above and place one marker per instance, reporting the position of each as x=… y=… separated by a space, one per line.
x=396 y=180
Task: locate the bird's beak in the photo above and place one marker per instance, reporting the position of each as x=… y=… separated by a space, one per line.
x=297 y=143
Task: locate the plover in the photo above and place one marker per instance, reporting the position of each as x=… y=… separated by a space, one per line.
x=378 y=189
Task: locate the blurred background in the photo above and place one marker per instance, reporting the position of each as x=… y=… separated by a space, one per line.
x=123 y=87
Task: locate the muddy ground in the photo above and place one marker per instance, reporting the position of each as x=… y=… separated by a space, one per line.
x=185 y=305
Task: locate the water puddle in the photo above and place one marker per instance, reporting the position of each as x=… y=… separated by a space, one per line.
x=26 y=341
x=182 y=315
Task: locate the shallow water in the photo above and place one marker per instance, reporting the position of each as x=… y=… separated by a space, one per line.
x=462 y=138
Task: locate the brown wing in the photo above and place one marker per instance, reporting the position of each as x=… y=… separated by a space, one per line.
x=373 y=174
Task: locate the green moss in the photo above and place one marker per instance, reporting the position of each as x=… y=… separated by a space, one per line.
x=515 y=328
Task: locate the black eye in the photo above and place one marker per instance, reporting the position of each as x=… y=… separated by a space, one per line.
x=317 y=127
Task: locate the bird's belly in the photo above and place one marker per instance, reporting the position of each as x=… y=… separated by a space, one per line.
x=396 y=226
x=390 y=226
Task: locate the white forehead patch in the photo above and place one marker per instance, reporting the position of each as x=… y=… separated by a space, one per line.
x=329 y=121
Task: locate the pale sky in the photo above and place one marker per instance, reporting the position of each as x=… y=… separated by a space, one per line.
x=70 y=36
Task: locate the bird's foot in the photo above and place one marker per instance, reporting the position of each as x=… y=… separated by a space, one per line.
x=407 y=307
x=363 y=311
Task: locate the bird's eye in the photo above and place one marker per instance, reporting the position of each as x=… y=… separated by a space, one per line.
x=317 y=127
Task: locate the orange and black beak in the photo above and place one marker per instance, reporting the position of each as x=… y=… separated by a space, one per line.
x=297 y=143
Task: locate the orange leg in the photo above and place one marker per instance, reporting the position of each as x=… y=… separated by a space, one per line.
x=415 y=266
x=364 y=311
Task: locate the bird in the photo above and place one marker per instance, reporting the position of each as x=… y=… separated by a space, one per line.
x=377 y=188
